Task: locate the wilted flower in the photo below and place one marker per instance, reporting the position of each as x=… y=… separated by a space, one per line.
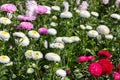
x=28 y=54
x=92 y=33
x=25 y=25
x=52 y=31
x=84 y=14
x=115 y=16
x=77 y=1
x=8 y=8
x=37 y=55
x=83 y=6
x=4 y=59
x=40 y=9
x=9 y=15
x=30 y=70
x=56 y=8
x=95 y=69
x=52 y=57
x=43 y=30
x=4 y=36
x=61 y=73
x=9 y=64
x=66 y=15
x=19 y=34
x=5 y=20
x=103 y=29
x=34 y=34
x=95 y=14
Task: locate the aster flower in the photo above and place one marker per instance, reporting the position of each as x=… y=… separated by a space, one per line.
x=106 y=66
x=83 y=6
x=117 y=3
x=103 y=53
x=82 y=59
x=4 y=36
x=5 y=20
x=115 y=16
x=37 y=55
x=105 y=1
x=109 y=36
x=28 y=54
x=53 y=57
x=30 y=70
x=43 y=30
x=75 y=38
x=61 y=73
x=19 y=34
x=82 y=27
x=67 y=40
x=85 y=14
x=8 y=8
x=95 y=69
x=52 y=31
x=56 y=8
x=4 y=59
x=88 y=27
x=90 y=58
x=92 y=33
x=95 y=14
x=40 y=10
x=34 y=34
x=53 y=24
x=57 y=45
x=25 y=25
x=58 y=40
x=103 y=29
x=48 y=9
x=116 y=76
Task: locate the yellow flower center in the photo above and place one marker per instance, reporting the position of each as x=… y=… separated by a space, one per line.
x=37 y=54
x=3 y=57
x=59 y=44
x=4 y=33
x=4 y=19
x=34 y=32
x=29 y=52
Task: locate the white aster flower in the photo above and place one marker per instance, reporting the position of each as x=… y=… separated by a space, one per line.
x=103 y=29
x=34 y=34
x=52 y=57
x=24 y=41
x=75 y=38
x=37 y=55
x=58 y=40
x=19 y=34
x=115 y=16
x=95 y=14
x=28 y=54
x=5 y=20
x=61 y=73
x=67 y=40
x=53 y=24
x=46 y=44
x=82 y=27
x=66 y=15
x=88 y=27
x=58 y=45
x=92 y=33
x=4 y=59
x=30 y=70
x=52 y=31
x=109 y=36
x=48 y=9
x=84 y=14
x=4 y=36
x=56 y=8
x=9 y=64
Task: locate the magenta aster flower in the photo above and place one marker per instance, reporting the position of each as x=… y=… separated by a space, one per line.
x=90 y=57
x=82 y=59
x=40 y=10
x=42 y=30
x=8 y=7
x=25 y=25
x=95 y=69
x=116 y=76
x=26 y=18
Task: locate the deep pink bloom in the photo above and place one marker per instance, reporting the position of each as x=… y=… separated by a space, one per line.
x=119 y=67
x=8 y=7
x=42 y=30
x=106 y=66
x=40 y=10
x=117 y=3
x=82 y=59
x=105 y=1
x=25 y=25
x=90 y=57
x=95 y=69
x=103 y=53
x=116 y=76
x=26 y=18
x=68 y=71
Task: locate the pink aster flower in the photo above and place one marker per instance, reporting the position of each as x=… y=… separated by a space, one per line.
x=26 y=18
x=25 y=25
x=82 y=59
x=95 y=69
x=83 y=6
x=117 y=3
x=116 y=76
x=8 y=8
x=42 y=30
x=90 y=57
x=105 y=1
x=40 y=10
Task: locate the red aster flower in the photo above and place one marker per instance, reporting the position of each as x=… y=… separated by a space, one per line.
x=103 y=53
x=90 y=57
x=82 y=59
x=95 y=69
x=106 y=66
